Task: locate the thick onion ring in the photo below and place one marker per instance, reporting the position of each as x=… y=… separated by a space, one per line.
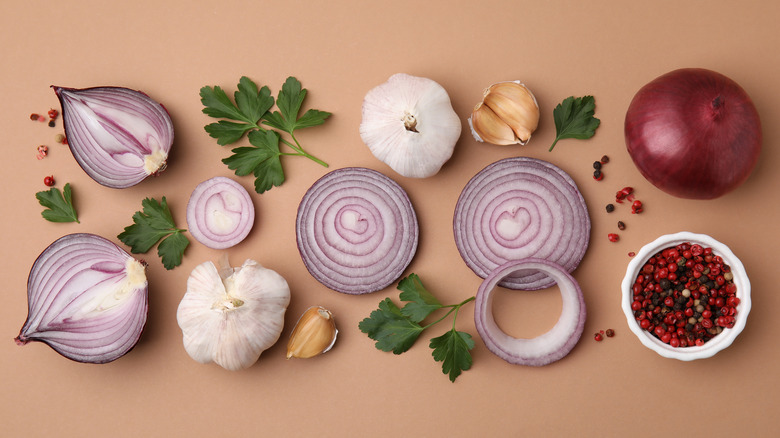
x=356 y=230
x=518 y=208
x=543 y=349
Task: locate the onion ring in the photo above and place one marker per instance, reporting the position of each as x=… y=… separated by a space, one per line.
x=518 y=208
x=220 y=213
x=356 y=230
x=543 y=349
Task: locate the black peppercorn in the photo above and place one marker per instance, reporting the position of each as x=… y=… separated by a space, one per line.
x=597 y=165
x=610 y=208
x=621 y=225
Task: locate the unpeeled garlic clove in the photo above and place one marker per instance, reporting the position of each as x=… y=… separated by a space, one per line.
x=314 y=334
x=508 y=114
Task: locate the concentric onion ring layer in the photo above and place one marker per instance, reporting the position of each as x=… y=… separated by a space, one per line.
x=518 y=208
x=220 y=213
x=356 y=230
x=548 y=347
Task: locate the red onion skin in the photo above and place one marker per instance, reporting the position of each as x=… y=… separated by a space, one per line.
x=693 y=133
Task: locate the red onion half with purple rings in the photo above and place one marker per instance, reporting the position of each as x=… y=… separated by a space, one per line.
x=356 y=230
x=117 y=135
x=518 y=208
x=544 y=349
x=87 y=299
x=220 y=213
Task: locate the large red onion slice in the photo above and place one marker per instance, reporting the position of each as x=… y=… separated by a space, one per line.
x=357 y=230
x=117 y=135
x=87 y=299
x=220 y=213
x=548 y=347
x=518 y=208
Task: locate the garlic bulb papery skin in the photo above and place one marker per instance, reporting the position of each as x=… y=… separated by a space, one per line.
x=231 y=315
x=508 y=114
x=409 y=124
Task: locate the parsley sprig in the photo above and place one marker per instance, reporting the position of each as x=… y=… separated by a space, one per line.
x=574 y=118
x=59 y=204
x=252 y=114
x=153 y=224
x=397 y=328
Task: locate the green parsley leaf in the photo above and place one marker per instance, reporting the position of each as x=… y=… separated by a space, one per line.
x=391 y=330
x=263 y=160
x=151 y=225
x=252 y=108
x=59 y=205
x=452 y=350
x=421 y=303
x=574 y=118
x=396 y=329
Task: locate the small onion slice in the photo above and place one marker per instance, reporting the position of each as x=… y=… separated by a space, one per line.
x=87 y=299
x=356 y=230
x=548 y=347
x=220 y=213
x=518 y=208
x=117 y=135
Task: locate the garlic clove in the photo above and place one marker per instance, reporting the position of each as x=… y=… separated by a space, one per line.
x=314 y=334
x=487 y=126
x=512 y=105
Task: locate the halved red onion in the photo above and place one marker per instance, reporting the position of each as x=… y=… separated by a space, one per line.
x=543 y=349
x=87 y=299
x=357 y=230
x=117 y=135
x=518 y=208
x=220 y=213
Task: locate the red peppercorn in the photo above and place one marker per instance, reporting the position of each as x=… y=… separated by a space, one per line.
x=610 y=333
x=48 y=181
x=636 y=207
x=53 y=113
x=34 y=117
x=598 y=337
x=631 y=253
x=604 y=159
x=613 y=237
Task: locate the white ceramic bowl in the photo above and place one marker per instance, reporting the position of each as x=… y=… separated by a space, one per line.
x=714 y=345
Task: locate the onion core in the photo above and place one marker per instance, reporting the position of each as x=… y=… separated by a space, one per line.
x=518 y=208
x=356 y=230
x=220 y=213
x=548 y=347
x=87 y=299
x=693 y=133
x=117 y=135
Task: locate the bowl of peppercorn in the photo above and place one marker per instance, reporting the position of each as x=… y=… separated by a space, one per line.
x=686 y=296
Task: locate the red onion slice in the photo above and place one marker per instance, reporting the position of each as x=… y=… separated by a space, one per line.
x=87 y=299
x=518 y=208
x=220 y=213
x=357 y=230
x=548 y=347
x=117 y=135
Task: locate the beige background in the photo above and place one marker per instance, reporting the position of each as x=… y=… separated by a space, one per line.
x=339 y=50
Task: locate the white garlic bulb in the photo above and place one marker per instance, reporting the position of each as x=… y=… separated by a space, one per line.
x=409 y=124
x=232 y=315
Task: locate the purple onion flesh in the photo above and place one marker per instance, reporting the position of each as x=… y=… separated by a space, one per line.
x=220 y=213
x=518 y=208
x=117 y=135
x=356 y=230
x=87 y=299
x=543 y=349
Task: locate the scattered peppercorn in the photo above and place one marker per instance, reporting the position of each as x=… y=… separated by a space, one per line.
x=610 y=333
x=43 y=150
x=597 y=175
x=34 y=117
x=52 y=124
x=604 y=159
x=621 y=225
x=48 y=181
x=637 y=207
x=610 y=208
x=631 y=253
x=60 y=138
x=623 y=194
x=598 y=337
x=53 y=113
x=613 y=237
x=597 y=165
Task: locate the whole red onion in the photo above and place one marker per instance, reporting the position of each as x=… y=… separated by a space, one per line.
x=693 y=133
